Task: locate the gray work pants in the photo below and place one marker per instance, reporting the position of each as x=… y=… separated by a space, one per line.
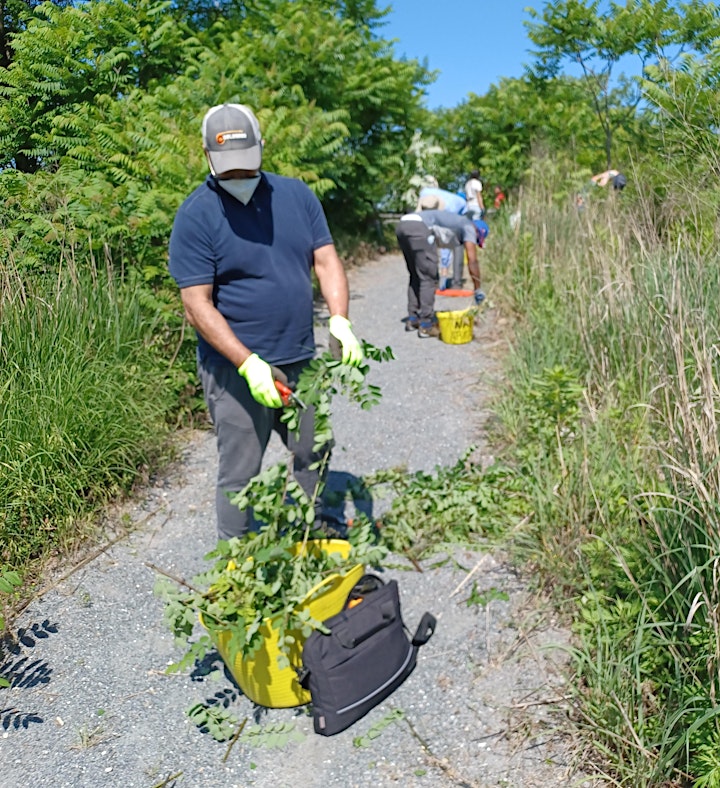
x=458 y=262
x=421 y=258
x=243 y=427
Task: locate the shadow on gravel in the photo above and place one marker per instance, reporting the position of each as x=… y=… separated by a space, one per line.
x=209 y=664
x=23 y=672
x=342 y=490
x=229 y=695
x=13 y=719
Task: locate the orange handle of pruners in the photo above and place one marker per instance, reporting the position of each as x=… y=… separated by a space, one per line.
x=284 y=392
x=287 y=395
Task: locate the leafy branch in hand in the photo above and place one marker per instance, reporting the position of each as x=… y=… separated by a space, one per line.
x=270 y=574
x=326 y=377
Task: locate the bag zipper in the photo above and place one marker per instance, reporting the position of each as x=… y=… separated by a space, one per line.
x=382 y=686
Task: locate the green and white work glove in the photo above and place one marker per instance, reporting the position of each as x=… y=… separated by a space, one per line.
x=260 y=381
x=341 y=328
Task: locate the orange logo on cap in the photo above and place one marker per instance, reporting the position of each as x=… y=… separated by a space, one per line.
x=238 y=134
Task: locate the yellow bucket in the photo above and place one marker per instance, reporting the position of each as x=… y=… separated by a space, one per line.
x=456 y=328
x=259 y=677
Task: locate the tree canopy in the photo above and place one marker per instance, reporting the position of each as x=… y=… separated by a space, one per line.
x=102 y=102
x=595 y=37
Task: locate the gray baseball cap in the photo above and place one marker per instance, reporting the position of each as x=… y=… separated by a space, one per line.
x=231 y=136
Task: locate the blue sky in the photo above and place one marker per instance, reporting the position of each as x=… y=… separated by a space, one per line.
x=472 y=43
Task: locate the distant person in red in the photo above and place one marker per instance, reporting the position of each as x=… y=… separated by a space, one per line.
x=499 y=197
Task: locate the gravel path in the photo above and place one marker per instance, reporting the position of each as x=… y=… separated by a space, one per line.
x=90 y=705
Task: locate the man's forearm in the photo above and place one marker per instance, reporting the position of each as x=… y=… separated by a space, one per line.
x=473 y=265
x=332 y=280
x=474 y=270
x=205 y=318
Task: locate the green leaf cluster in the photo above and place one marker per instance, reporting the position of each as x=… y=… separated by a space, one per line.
x=593 y=38
x=327 y=377
x=553 y=404
x=395 y=716
x=10 y=581
x=484 y=598
x=500 y=131
x=219 y=722
x=223 y=726
x=264 y=576
x=271 y=736
x=269 y=575
x=457 y=504
x=102 y=103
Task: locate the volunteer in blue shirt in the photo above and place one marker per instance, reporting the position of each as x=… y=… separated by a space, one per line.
x=242 y=251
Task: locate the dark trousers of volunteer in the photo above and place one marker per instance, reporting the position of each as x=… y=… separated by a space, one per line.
x=421 y=258
x=243 y=427
x=458 y=263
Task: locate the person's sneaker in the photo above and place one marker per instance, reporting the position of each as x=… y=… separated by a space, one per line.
x=426 y=330
x=412 y=323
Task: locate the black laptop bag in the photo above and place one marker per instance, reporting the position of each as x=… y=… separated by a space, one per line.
x=364 y=659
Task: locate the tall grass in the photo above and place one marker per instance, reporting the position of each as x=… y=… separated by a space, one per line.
x=619 y=323
x=83 y=402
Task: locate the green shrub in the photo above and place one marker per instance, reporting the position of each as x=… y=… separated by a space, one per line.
x=82 y=406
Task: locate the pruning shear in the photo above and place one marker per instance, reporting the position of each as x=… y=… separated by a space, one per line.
x=287 y=395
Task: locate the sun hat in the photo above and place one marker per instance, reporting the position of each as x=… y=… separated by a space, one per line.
x=231 y=136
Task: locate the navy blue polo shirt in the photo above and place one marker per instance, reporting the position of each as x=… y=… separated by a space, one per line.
x=259 y=259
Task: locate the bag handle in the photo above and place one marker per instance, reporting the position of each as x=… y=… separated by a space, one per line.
x=348 y=636
x=365 y=585
x=423 y=633
x=425 y=630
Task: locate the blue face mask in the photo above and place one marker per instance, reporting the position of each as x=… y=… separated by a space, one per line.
x=241 y=188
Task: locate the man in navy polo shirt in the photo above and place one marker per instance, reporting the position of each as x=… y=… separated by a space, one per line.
x=242 y=249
